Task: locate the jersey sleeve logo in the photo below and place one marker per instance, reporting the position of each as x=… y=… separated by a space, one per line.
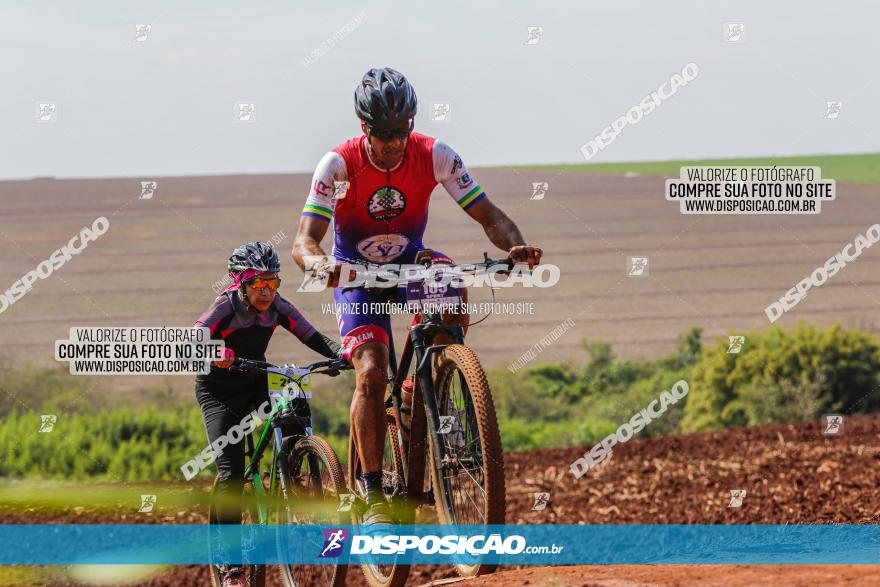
x=386 y=203
x=464 y=181
x=456 y=164
x=340 y=188
x=319 y=187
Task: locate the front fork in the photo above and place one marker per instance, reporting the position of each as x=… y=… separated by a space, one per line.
x=277 y=472
x=424 y=372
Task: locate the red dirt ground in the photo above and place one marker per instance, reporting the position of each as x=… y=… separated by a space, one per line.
x=792 y=474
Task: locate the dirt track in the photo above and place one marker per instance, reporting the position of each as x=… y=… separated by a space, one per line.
x=638 y=575
x=792 y=474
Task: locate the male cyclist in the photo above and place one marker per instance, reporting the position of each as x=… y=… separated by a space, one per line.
x=380 y=218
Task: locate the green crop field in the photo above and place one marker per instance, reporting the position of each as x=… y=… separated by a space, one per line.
x=862 y=168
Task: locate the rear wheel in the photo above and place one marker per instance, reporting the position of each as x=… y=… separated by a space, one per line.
x=254 y=575
x=314 y=481
x=469 y=483
x=382 y=575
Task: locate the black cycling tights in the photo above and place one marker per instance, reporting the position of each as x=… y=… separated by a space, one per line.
x=224 y=406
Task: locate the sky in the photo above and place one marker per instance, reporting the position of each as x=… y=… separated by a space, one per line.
x=167 y=105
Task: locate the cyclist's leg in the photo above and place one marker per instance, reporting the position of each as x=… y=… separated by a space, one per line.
x=365 y=338
x=370 y=362
x=222 y=408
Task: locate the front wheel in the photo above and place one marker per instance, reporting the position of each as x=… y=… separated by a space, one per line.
x=313 y=481
x=382 y=574
x=469 y=483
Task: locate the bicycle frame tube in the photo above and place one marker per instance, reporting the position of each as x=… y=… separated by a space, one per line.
x=254 y=465
x=416 y=346
x=403 y=435
x=253 y=469
x=422 y=333
x=253 y=473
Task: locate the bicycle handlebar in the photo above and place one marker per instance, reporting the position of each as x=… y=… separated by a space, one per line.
x=330 y=367
x=485 y=264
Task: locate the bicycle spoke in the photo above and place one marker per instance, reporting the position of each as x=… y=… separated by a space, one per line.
x=460 y=491
x=462 y=442
x=477 y=483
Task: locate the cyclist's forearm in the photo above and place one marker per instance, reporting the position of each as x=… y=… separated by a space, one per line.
x=503 y=232
x=305 y=247
x=323 y=345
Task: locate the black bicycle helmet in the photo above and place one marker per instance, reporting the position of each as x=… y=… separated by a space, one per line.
x=385 y=99
x=256 y=255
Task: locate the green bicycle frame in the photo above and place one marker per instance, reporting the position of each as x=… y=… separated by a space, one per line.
x=252 y=471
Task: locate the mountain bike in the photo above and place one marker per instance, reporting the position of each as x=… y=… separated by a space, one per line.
x=304 y=481
x=452 y=426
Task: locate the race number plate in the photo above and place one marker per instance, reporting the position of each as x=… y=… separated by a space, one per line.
x=432 y=295
x=290 y=383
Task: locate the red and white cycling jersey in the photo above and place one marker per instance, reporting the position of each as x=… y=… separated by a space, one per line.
x=380 y=215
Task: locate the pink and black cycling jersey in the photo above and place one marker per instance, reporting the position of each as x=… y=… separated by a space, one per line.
x=380 y=215
x=246 y=331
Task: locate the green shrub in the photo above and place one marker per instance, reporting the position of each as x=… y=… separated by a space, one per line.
x=780 y=375
x=123 y=445
x=24 y=388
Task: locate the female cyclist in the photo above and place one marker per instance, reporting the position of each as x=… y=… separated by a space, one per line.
x=244 y=316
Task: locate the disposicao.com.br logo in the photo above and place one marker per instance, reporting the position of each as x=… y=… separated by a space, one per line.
x=334 y=542
x=447 y=544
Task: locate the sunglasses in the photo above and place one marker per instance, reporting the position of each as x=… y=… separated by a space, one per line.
x=261 y=283
x=387 y=135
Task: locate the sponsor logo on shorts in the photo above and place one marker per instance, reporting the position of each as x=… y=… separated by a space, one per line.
x=363 y=336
